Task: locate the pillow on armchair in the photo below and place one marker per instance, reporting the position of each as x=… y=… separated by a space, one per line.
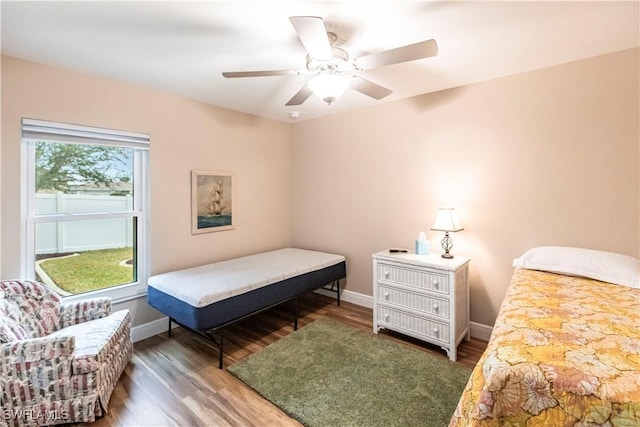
x=10 y=329
x=34 y=306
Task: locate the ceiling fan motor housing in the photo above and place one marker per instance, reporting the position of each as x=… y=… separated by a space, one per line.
x=339 y=63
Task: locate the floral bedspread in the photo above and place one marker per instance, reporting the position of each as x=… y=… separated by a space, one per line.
x=565 y=351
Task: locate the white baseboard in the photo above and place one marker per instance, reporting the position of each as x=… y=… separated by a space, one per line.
x=480 y=331
x=155 y=327
x=147 y=330
x=349 y=296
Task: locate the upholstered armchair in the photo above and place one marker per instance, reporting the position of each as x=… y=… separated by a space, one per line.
x=59 y=362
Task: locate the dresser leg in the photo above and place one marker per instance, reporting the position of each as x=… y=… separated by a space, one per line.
x=452 y=353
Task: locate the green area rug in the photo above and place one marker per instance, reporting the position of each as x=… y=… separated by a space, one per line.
x=331 y=374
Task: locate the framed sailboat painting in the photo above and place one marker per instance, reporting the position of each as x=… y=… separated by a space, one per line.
x=211 y=201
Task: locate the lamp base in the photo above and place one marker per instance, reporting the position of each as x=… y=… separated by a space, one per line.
x=447 y=244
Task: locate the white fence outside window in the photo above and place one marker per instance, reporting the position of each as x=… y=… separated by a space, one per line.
x=79 y=236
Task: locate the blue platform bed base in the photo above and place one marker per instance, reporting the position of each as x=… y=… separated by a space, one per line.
x=207 y=298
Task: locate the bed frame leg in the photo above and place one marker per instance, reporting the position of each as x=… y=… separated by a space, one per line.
x=220 y=348
x=295 y=314
x=169 y=331
x=334 y=287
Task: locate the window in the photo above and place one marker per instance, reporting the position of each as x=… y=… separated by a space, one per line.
x=85 y=201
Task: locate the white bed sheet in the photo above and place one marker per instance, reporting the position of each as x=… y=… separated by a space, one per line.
x=206 y=284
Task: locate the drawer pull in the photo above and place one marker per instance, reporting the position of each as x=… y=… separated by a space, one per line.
x=386 y=273
x=386 y=295
x=435 y=283
x=436 y=332
x=436 y=307
x=386 y=316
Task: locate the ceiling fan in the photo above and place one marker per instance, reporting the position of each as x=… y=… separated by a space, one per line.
x=334 y=70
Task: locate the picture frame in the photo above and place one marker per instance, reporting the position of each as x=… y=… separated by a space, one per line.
x=211 y=201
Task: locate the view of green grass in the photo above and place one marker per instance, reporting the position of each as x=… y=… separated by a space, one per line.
x=90 y=270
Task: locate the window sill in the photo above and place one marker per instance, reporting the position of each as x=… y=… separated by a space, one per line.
x=119 y=294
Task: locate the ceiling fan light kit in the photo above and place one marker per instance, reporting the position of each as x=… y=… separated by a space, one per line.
x=334 y=71
x=329 y=87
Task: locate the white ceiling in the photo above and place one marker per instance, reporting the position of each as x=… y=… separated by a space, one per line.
x=183 y=47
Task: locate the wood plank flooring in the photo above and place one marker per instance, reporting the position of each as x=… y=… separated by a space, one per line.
x=176 y=381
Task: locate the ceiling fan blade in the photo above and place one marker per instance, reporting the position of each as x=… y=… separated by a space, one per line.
x=313 y=35
x=369 y=88
x=299 y=98
x=410 y=52
x=236 y=74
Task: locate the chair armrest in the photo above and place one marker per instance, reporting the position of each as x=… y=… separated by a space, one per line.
x=35 y=350
x=35 y=370
x=76 y=312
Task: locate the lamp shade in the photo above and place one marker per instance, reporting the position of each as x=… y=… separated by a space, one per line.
x=447 y=220
x=328 y=87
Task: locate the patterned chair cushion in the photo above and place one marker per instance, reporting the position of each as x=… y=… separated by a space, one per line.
x=95 y=340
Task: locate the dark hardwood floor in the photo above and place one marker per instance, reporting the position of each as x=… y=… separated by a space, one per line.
x=176 y=381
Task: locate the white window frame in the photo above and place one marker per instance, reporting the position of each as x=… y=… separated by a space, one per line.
x=39 y=130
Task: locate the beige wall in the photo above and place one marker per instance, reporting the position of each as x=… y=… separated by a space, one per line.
x=549 y=157
x=185 y=135
x=546 y=157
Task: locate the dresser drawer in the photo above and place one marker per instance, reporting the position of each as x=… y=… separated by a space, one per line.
x=406 y=322
x=415 y=301
x=420 y=279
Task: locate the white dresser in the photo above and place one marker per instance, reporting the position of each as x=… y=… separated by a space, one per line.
x=423 y=296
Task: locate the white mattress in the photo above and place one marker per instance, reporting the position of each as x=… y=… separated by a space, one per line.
x=206 y=284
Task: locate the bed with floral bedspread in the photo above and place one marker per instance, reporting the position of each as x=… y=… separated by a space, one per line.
x=564 y=351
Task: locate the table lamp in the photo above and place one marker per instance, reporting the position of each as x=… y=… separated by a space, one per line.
x=447 y=221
